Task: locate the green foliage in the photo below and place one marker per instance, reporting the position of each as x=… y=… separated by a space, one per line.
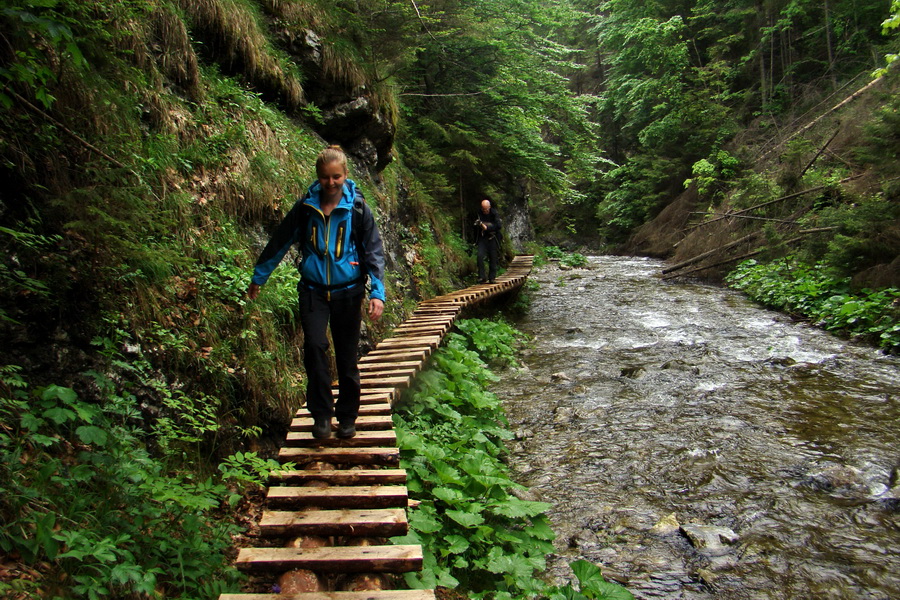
x=712 y=174
x=81 y=498
x=494 y=341
x=865 y=234
x=13 y=279
x=52 y=23
x=569 y=259
x=887 y=27
x=789 y=285
x=592 y=585
x=475 y=532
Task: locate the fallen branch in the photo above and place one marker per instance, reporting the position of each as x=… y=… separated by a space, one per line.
x=69 y=132
x=819 y=153
x=700 y=257
x=802 y=233
x=837 y=106
x=754 y=218
x=776 y=200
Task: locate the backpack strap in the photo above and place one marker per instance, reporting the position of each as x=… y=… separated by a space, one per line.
x=356 y=224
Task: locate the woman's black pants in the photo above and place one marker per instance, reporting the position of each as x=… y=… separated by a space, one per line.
x=345 y=317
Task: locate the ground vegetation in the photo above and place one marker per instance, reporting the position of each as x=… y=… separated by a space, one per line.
x=148 y=146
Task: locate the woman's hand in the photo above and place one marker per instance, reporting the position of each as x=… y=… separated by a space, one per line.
x=376 y=308
x=253 y=291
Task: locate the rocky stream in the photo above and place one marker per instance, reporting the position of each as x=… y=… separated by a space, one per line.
x=696 y=446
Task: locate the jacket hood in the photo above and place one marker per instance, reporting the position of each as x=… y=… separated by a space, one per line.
x=346 y=200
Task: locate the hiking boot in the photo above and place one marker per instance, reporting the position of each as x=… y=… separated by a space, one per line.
x=346 y=430
x=321 y=429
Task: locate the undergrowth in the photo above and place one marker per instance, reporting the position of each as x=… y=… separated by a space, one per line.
x=475 y=531
x=813 y=292
x=88 y=511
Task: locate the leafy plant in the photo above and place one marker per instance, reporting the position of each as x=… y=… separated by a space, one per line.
x=809 y=290
x=82 y=498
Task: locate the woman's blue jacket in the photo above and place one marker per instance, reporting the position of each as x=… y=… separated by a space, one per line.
x=332 y=260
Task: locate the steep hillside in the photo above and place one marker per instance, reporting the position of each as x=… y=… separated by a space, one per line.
x=823 y=187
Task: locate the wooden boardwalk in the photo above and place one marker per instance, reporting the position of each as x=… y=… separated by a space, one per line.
x=325 y=523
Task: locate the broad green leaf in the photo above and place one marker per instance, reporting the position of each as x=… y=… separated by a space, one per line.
x=59 y=415
x=63 y=394
x=456 y=544
x=90 y=434
x=465 y=519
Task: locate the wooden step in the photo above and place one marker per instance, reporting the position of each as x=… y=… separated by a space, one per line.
x=377 y=380
x=412 y=365
x=340 y=476
x=366 y=423
x=385 y=522
x=404 y=352
x=343 y=456
x=370 y=404
x=377 y=396
x=386 y=371
x=375 y=409
x=403 y=355
x=409 y=342
x=304 y=439
x=421 y=320
x=372 y=595
x=368 y=496
x=333 y=559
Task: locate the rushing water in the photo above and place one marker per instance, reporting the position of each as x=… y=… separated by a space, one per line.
x=696 y=446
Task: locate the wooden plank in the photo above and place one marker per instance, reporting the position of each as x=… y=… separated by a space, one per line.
x=304 y=439
x=400 y=353
x=376 y=397
x=384 y=522
x=369 y=407
x=376 y=380
x=410 y=365
x=375 y=409
x=366 y=423
x=370 y=595
x=357 y=496
x=386 y=371
x=421 y=331
x=384 y=393
x=341 y=476
x=429 y=319
x=405 y=355
x=360 y=456
x=333 y=559
x=408 y=342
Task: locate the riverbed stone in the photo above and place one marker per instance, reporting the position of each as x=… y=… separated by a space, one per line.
x=709 y=540
x=666 y=525
x=832 y=477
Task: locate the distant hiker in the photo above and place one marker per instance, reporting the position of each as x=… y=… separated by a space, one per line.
x=340 y=246
x=487 y=236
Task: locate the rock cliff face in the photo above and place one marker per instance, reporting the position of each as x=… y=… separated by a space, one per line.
x=350 y=115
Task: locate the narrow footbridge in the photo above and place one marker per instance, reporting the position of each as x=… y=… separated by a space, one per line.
x=322 y=535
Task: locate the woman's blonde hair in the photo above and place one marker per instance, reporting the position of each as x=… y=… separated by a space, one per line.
x=330 y=155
